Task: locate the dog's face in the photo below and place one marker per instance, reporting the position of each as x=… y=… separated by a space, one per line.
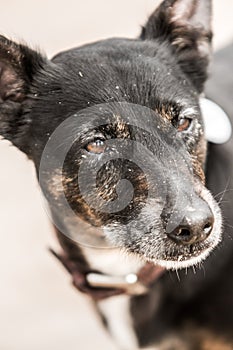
x=128 y=109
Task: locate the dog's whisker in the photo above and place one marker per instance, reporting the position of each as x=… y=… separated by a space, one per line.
x=177 y=275
x=222 y=193
x=194 y=269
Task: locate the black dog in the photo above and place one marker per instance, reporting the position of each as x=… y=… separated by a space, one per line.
x=129 y=109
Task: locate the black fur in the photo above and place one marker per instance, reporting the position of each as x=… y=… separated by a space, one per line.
x=164 y=70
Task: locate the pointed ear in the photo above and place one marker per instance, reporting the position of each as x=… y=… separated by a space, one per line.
x=18 y=66
x=186 y=26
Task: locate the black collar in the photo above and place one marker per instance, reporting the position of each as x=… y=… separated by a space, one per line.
x=100 y=286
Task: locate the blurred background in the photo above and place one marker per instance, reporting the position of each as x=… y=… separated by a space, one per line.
x=39 y=310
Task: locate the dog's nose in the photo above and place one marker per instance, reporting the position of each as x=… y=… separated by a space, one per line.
x=195 y=226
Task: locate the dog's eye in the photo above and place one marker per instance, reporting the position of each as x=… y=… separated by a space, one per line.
x=184 y=124
x=97 y=146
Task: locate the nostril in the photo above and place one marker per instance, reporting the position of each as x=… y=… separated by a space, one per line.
x=182 y=235
x=191 y=234
x=183 y=232
x=196 y=225
x=208 y=228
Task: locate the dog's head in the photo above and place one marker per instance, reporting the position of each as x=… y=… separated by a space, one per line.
x=115 y=130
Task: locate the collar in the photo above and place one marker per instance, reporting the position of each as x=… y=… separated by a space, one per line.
x=100 y=286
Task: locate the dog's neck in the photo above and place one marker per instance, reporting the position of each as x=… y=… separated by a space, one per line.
x=111 y=261
x=115 y=306
x=119 y=270
x=116 y=310
x=102 y=273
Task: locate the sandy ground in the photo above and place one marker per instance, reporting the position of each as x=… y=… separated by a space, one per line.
x=38 y=308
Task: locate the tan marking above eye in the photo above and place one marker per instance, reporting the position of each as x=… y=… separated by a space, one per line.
x=183 y=124
x=98 y=146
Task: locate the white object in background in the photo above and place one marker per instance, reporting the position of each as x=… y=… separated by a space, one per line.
x=216 y=122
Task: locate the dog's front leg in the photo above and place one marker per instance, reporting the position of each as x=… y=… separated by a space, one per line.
x=116 y=312
x=120 y=324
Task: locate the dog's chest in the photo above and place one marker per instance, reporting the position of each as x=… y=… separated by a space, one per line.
x=111 y=261
x=116 y=310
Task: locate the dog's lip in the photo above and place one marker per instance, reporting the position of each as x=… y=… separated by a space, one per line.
x=184 y=260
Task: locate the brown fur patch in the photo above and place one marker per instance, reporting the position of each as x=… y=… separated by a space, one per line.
x=211 y=341
x=198 y=159
x=198 y=168
x=192 y=338
x=166 y=111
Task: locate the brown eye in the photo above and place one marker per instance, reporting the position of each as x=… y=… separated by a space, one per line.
x=184 y=124
x=98 y=146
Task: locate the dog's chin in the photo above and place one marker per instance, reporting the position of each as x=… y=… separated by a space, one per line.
x=183 y=261
x=175 y=257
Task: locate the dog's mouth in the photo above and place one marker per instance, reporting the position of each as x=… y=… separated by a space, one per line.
x=179 y=257
x=175 y=256
x=186 y=257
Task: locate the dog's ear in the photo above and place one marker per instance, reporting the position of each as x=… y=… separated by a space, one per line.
x=18 y=66
x=186 y=26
